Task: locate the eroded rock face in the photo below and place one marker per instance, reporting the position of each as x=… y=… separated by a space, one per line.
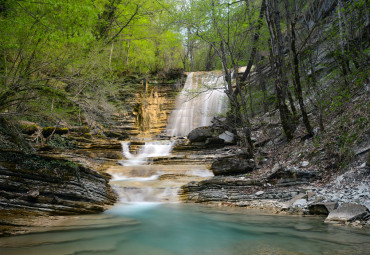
x=232 y=165
x=38 y=183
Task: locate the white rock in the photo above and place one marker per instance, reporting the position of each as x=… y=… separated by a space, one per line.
x=300 y=203
x=259 y=193
x=305 y=163
x=227 y=136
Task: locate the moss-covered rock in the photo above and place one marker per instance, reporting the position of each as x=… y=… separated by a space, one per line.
x=29 y=129
x=47 y=131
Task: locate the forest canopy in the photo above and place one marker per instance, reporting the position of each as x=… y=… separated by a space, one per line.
x=69 y=56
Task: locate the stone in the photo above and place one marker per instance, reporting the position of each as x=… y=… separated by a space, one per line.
x=232 y=165
x=47 y=131
x=214 y=141
x=305 y=163
x=119 y=136
x=200 y=134
x=347 y=212
x=322 y=208
x=292 y=175
x=293 y=202
x=228 y=137
x=29 y=129
x=300 y=203
x=259 y=193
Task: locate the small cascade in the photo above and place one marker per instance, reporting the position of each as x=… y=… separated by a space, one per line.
x=201 y=99
x=148 y=150
x=140 y=180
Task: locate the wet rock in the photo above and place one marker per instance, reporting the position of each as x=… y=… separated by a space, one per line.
x=200 y=134
x=347 y=213
x=232 y=165
x=322 y=208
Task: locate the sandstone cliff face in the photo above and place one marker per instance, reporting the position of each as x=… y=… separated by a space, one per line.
x=43 y=184
x=155 y=104
x=146 y=113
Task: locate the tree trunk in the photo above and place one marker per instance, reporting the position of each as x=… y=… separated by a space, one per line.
x=297 y=81
x=278 y=65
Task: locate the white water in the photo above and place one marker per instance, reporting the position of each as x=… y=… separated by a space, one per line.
x=201 y=99
x=148 y=150
x=138 y=180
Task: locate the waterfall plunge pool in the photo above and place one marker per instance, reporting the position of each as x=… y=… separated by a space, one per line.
x=192 y=229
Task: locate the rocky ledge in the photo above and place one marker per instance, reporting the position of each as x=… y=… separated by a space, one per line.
x=40 y=184
x=288 y=189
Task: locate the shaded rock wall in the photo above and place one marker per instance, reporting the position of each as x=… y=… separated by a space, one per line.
x=44 y=184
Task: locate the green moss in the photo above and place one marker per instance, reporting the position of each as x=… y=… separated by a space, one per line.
x=87 y=135
x=29 y=129
x=47 y=131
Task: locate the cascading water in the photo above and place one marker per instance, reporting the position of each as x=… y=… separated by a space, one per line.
x=148 y=150
x=137 y=180
x=201 y=99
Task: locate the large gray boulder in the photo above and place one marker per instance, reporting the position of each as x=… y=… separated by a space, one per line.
x=232 y=165
x=347 y=212
x=200 y=134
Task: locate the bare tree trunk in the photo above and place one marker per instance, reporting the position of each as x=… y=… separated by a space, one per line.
x=278 y=65
x=297 y=81
x=295 y=63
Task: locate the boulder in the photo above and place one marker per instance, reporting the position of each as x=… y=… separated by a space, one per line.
x=200 y=134
x=228 y=137
x=347 y=212
x=322 y=208
x=232 y=165
x=214 y=142
x=29 y=129
x=47 y=131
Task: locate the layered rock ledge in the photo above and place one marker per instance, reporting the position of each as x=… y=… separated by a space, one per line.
x=40 y=184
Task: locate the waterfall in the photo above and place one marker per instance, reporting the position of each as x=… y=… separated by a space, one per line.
x=201 y=99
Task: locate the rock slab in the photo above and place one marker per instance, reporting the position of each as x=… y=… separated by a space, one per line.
x=347 y=213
